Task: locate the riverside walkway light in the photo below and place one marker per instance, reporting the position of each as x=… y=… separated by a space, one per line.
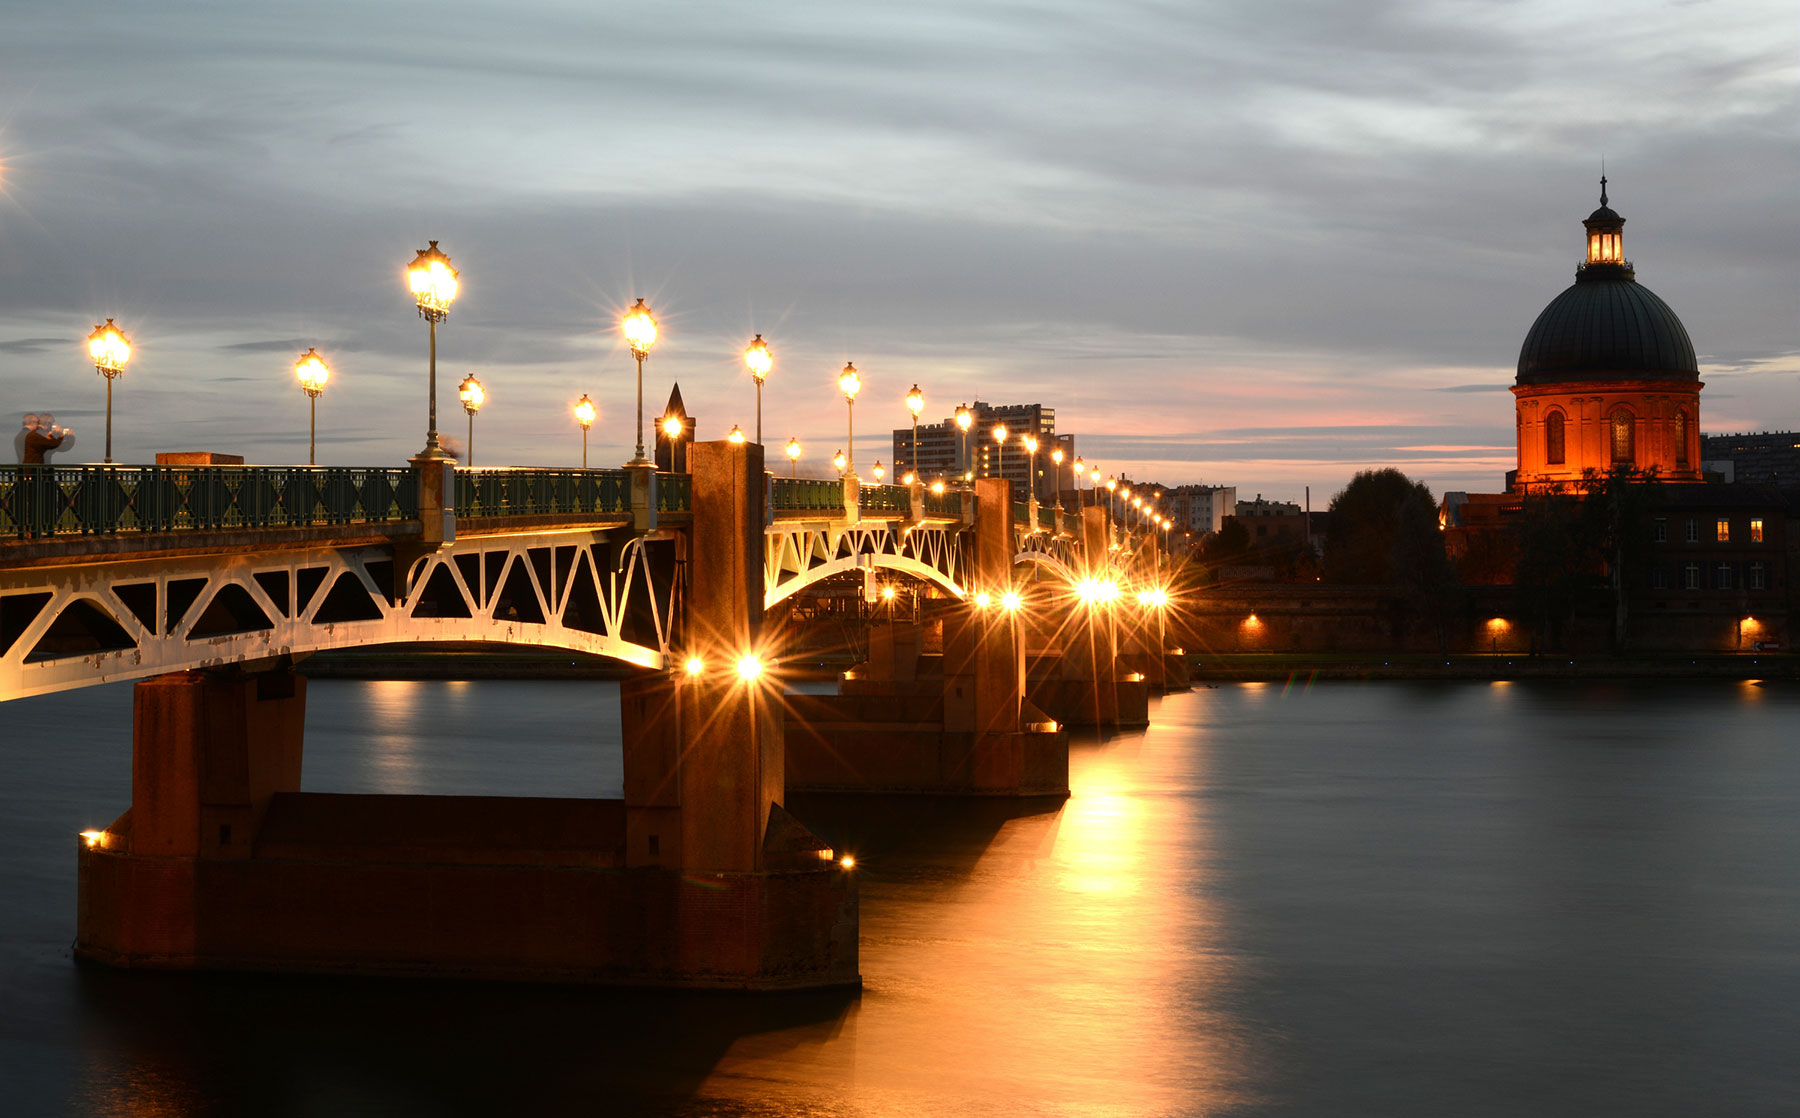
x=1030 y=443
x=110 y=349
x=964 y=420
x=1056 y=459
x=915 y=403
x=312 y=373
x=433 y=283
x=472 y=395
x=793 y=451
x=999 y=433
x=757 y=359
x=640 y=334
x=584 y=415
x=839 y=461
x=880 y=471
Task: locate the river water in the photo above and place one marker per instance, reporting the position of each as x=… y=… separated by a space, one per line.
x=1378 y=899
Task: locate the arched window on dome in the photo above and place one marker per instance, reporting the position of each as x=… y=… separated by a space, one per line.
x=1553 y=439
x=1681 y=439
x=1624 y=438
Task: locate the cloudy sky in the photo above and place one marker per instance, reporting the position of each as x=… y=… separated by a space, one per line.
x=1255 y=244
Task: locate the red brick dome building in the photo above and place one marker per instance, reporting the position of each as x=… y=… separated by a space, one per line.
x=1607 y=376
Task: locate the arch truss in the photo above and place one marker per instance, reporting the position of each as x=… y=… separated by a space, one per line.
x=798 y=554
x=594 y=591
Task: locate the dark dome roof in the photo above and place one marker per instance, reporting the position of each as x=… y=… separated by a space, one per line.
x=1605 y=213
x=1607 y=326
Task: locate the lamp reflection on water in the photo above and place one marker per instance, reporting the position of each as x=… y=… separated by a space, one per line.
x=1068 y=961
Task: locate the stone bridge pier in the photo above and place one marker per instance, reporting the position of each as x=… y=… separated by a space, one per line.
x=697 y=877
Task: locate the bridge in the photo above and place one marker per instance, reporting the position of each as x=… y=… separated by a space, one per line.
x=208 y=585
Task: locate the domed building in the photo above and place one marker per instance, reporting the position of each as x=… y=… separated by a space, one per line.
x=1607 y=376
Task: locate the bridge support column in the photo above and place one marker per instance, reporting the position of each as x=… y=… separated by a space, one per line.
x=976 y=733
x=209 y=752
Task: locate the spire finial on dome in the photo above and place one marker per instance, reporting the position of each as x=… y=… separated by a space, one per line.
x=1603 y=185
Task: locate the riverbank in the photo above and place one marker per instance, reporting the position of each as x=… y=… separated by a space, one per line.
x=1252 y=667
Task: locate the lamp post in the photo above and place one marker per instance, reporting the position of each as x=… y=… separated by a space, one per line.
x=672 y=428
x=640 y=335
x=1056 y=460
x=1080 y=469
x=110 y=349
x=915 y=403
x=1112 y=484
x=756 y=356
x=839 y=460
x=964 y=419
x=880 y=471
x=851 y=384
x=584 y=415
x=313 y=373
x=472 y=396
x=1000 y=451
x=793 y=449
x=1029 y=442
x=736 y=436
x=433 y=282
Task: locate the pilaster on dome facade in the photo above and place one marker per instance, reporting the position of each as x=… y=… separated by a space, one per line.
x=1607 y=376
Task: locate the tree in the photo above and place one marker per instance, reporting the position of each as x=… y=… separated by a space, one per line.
x=1384 y=531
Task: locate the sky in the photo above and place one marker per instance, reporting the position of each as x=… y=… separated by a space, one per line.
x=1263 y=245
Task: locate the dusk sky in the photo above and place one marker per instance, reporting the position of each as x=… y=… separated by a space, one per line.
x=1263 y=245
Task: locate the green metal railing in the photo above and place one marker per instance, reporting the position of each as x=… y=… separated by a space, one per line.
x=807 y=494
x=1021 y=513
x=43 y=501
x=535 y=492
x=674 y=492
x=885 y=498
x=945 y=504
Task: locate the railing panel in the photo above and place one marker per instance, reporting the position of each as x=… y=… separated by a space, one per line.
x=886 y=498
x=42 y=501
x=945 y=504
x=806 y=494
x=534 y=492
x=674 y=492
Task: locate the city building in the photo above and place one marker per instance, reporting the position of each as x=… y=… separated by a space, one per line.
x=1199 y=510
x=946 y=451
x=1608 y=381
x=1763 y=458
x=1270 y=521
x=1607 y=376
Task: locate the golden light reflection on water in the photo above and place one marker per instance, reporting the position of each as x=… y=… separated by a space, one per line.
x=394 y=707
x=1075 y=965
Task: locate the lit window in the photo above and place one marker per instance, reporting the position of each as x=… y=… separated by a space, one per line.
x=1553 y=439
x=1681 y=451
x=1690 y=577
x=1724 y=530
x=1722 y=577
x=1623 y=441
x=1662 y=529
x=1756 y=531
x=1757 y=577
x=1693 y=531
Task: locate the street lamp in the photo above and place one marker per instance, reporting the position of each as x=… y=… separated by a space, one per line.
x=673 y=429
x=1080 y=469
x=793 y=449
x=915 y=403
x=110 y=349
x=433 y=284
x=1031 y=485
x=640 y=335
x=851 y=384
x=839 y=461
x=964 y=419
x=1112 y=483
x=880 y=471
x=1056 y=459
x=1000 y=453
x=584 y=415
x=736 y=436
x=313 y=373
x=472 y=396
x=756 y=356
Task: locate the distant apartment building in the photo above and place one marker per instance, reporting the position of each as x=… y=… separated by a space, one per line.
x=1267 y=521
x=1762 y=458
x=1199 y=510
x=945 y=451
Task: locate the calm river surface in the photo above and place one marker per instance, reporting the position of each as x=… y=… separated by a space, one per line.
x=1385 y=899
